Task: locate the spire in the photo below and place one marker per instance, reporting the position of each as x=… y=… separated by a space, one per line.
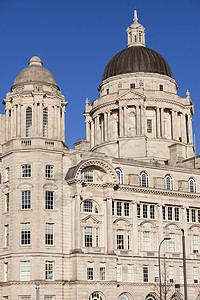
x=136 y=33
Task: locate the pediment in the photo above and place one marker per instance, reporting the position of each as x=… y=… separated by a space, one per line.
x=130 y=95
x=25 y=185
x=90 y=218
x=50 y=186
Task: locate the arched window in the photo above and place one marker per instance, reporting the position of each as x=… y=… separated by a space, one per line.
x=45 y=122
x=120 y=175
x=135 y=38
x=96 y=296
x=150 y=297
x=89 y=206
x=144 y=179
x=28 y=121
x=192 y=185
x=123 y=297
x=140 y=39
x=169 y=184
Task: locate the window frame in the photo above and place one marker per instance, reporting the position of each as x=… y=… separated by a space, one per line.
x=144 y=179
x=26 y=171
x=192 y=188
x=49 y=270
x=49 y=200
x=25 y=272
x=49 y=234
x=49 y=171
x=120 y=175
x=26 y=199
x=169 y=182
x=25 y=234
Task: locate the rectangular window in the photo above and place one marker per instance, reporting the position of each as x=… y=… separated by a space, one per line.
x=7 y=200
x=170 y=213
x=163 y=212
x=195 y=274
x=128 y=239
x=120 y=239
x=176 y=213
x=152 y=211
x=102 y=271
x=119 y=208
x=193 y=212
x=25 y=270
x=132 y=85
x=26 y=199
x=88 y=236
x=5 y=272
x=49 y=171
x=195 y=243
x=171 y=242
x=146 y=241
x=126 y=209
x=6 y=228
x=138 y=210
x=156 y=274
x=25 y=298
x=130 y=273
x=161 y=87
x=49 y=234
x=49 y=200
x=181 y=275
x=26 y=171
x=113 y=208
x=171 y=274
x=107 y=91
x=25 y=233
x=90 y=271
x=145 y=274
x=149 y=126
x=198 y=216
x=145 y=211
x=7 y=174
x=188 y=215
x=97 y=237
x=49 y=270
x=119 y=273
x=87 y=206
x=89 y=176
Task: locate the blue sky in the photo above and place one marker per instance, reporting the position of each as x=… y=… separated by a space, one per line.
x=76 y=39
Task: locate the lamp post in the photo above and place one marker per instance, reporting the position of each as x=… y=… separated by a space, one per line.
x=37 y=290
x=167 y=238
x=177 y=288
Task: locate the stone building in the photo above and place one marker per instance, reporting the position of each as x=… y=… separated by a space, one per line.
x=86 y=223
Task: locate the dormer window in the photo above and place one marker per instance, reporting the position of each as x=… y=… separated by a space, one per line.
x=161 y=87
x=132 y=86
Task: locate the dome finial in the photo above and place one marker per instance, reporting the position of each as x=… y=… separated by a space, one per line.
x=35 y=60
x=135 y=16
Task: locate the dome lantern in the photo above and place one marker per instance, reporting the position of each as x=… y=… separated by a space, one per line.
x=136 y=33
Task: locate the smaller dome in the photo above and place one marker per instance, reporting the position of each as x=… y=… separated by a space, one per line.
x=35 y=73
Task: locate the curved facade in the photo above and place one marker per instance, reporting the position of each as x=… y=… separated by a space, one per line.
x=86 y=223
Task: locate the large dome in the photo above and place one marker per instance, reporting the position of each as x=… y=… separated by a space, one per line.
x=137 y=59
x=35 y=72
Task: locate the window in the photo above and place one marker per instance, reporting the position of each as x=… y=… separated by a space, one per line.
x=113 y=208
x=198 y=216
x=132 y=85
x=95 y=296
x=97 y=237
x=7 y=202
x=195 y=274
x=163 y=212
x=119 y=273
x=5 y=272
x=188 y=215
x=128 y=239
x=88 y=236
x=87 y=206
x=138 y=210
x=49 y=234
x=49 y=171
x=89 y=176
x=102 y=271
x=49 y=270
x=7 y=175
x=172 y=242
x=169 y=182
x=25 y=270
x=156 y=274
x=126 y=209
x=176 y=213
x=145 y=211
x=130 y=273
x=120 y=239
x=150 y=297
x=146 y=241
x=120 y=175
x=123 y=297
x=90 y=271
x=145 y=274
x=6 y=228
x=119 y=208
x=107 y=91
x=169 y=213
x=28 y=121
x=181 y=274
x=195 y=244
x=171 y=274
x=192 y=185
x=149 y=125
x=193 y=211
x=152 y=211
x=49 y=200
x=161 y=87
x=48 y=298
x=25 y=298
x=26 y=171
x=144 y=179
x=45 y=122
x=26 y=199
x=25 y=233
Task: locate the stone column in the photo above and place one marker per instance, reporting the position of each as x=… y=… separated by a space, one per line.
x=63 y=124
x=76 y=222
x=7 y=120
x=92 y=134
x=11 y=119
x=135 y=240
x=190 y=129
x=87 y=129
x=109 y=229
x=121 y=121
x=143 y=119
x=162 y=122
x=158 y=133
x=40 y=120
x=106 y=126
x=58 y=122
x=137 y=120
x=185 y=227
x=125 y=121
x=183 y=129
x=109 y=126
x=34 y=119
x=18 y=120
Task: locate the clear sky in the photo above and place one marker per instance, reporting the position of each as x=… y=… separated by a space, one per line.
x=76 y=39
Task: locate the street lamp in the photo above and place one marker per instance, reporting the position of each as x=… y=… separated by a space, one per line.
x=167 y=238
x=177 y=288
x=37 y=288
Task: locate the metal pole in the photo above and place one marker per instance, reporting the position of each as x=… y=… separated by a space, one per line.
x=177 y=287
x=37 y=291
x=160 y=284
x=184 y=264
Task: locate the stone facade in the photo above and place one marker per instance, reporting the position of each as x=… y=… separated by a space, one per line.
x=86 y=223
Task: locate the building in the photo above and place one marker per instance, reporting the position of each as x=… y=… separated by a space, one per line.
x=86 y=223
